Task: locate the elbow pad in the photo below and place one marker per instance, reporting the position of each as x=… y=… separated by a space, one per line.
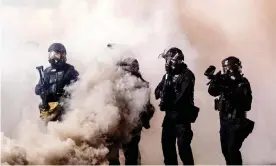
x=38 y=89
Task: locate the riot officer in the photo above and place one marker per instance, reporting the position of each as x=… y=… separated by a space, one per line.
x=176 y=91
x=55 y=77
x=234 y=100
x=131 y=148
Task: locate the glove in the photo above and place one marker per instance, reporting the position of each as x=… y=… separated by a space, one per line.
x=43 y=107
x=146 y=125
x=162 y=106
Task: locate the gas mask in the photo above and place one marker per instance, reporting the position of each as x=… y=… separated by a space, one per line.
x=173 y=63
x=174 y=59
x=56 y=59
x=233 y=71
x=226 y=70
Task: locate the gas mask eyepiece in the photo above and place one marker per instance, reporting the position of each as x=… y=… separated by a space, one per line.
x=55 y=59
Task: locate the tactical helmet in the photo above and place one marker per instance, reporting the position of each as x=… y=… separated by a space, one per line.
x=231 y=64
x=174 y=59
x=175 y=53
x=57 y=47
x=57 y=54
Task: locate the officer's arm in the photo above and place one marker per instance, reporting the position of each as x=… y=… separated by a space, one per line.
x=70 y=79
x=190 y=83
x=244 y=95
x=187 y=82
x=71 y=76
x=74 y=76
x=158 y=89
x=38 y=88
x=147 y=115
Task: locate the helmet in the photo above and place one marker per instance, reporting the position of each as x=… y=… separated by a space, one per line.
x=129 y=64
x=175 y=53
x=57 y=54
x=174 y=59
x=57 y=47
x=231 y=65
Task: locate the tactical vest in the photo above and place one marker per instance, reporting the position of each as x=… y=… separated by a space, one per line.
x=55 y=83
x=177 y=81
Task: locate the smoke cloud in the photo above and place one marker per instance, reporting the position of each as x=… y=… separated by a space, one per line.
x=205 y=31
x=80 y=138
x=104 y=102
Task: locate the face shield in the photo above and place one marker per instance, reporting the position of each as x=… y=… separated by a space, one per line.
x=54 y=55
x=225 y=69
x=170 y=59
x=56 y=59
x=231 y=70
x=175 y=61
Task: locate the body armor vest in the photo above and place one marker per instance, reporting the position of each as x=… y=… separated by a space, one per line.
x=54 y=78
x=175 y=85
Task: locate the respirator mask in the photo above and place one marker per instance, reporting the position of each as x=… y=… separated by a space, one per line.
x=56 y=59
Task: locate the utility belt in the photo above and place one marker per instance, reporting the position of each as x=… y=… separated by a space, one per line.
x=222 y=104
x=228 y=110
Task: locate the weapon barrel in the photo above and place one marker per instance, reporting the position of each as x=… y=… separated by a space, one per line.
x=43 y=94
x=40 y=70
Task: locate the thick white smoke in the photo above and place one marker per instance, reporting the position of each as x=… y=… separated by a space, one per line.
x=109 y=103
x=215 y=29
x=85 y=28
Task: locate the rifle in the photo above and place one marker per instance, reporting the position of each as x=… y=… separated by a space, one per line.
x=219 y=78
x=223 y=82
x=210 y=74
x=43 y=92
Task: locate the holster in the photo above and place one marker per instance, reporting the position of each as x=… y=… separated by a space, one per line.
x=248 y=126
x=147 y=115
x=193 y=113
x=189 y=113
x=162 y=106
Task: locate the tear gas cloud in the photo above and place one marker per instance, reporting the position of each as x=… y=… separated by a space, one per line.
x=206 y=32
x=104 y=102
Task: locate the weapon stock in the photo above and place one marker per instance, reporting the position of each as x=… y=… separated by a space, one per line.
x=40 y=70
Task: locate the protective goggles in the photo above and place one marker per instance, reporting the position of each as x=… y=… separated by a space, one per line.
x=54 y=55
